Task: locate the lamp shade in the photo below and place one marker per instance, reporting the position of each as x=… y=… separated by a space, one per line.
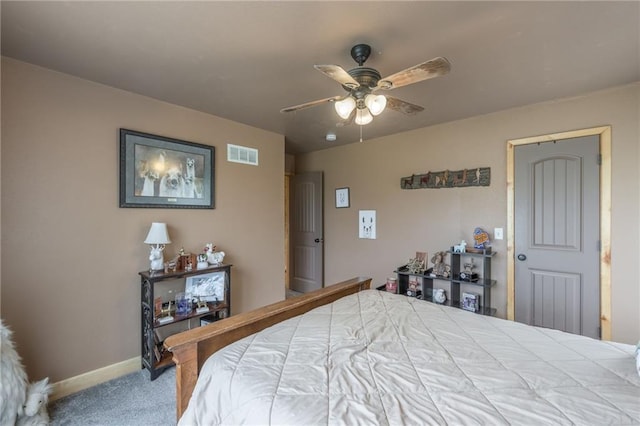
x=375 y=103
x=158 y=234
x=345 y=106
x=363 y=116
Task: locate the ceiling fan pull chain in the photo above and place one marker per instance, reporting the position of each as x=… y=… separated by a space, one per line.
x=360 y=133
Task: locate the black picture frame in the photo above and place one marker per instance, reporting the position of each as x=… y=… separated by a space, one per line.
x=162 y=172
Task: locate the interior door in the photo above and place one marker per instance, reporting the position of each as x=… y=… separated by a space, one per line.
x=307 y=272
x=557 y=277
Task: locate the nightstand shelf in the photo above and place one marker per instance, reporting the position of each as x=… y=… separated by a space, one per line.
x=213 y=309
x=153 y=332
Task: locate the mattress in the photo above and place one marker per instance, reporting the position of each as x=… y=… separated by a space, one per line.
x=379 y=358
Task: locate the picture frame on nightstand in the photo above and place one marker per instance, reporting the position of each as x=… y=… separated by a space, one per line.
x=207 y=287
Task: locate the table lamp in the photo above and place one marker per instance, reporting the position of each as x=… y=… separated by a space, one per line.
x=157 y=238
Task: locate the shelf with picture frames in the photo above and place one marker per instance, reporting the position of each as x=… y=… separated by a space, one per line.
x=219 y=309
x=467 y=289
x=158 y=319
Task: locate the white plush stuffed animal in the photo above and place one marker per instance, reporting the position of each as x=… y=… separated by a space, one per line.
x=13 y=380
x=35 y=406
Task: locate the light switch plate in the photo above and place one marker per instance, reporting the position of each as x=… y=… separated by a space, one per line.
x=497 y=233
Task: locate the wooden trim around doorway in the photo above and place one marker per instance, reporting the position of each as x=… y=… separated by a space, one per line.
x=287 y=221
x=604 y=133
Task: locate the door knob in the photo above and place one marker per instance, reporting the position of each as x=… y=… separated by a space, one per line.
x=522 y=256
x=318 y=240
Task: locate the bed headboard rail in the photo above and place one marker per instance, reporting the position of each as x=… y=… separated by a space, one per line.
x=192 y=348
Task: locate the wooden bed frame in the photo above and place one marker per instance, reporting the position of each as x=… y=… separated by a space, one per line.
x=192 y=348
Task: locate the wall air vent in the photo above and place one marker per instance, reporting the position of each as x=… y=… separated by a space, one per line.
x=242 y=154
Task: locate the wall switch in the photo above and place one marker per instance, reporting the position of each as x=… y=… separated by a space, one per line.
x=497 y=233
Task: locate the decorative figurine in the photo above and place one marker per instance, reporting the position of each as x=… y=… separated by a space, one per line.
x=412 y=288
x=460 y=248
x=440 y=269
x=216 y=257
x=202 y=305
x=209 y=248
x=173 y=264
x=468 y=274
x=165 y=314
x=416 y=266
x=202 y=261
x=439 y=295
x=155 y=256
x=481 y=239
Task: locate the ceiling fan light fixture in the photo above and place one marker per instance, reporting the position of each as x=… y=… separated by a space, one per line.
x=345 y=106
x=375 y=103
x=363 y=116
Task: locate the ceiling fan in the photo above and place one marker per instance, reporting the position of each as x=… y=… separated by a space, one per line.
x=361 y=83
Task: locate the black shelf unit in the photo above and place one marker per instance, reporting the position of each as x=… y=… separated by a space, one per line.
x=482 y=286
x=149 y=323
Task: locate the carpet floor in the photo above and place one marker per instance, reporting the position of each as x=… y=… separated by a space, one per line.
x=129 y=400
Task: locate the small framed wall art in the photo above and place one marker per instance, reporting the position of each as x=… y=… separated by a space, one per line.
x=342 y=198
x=367 y=224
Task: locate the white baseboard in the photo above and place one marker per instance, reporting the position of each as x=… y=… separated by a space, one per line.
x=95 y=377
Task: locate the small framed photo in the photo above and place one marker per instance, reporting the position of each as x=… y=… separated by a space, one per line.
x=470 y=301
x=207 y=287
x=342 y=198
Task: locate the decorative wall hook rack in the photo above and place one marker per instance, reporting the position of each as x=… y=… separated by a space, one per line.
x=479 y=176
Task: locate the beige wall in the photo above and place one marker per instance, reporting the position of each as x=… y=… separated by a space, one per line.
x=70 y=288
x=431 y=220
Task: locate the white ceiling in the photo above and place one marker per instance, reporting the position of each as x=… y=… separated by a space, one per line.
x=244 y=61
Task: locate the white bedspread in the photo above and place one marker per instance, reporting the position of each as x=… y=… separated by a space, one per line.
x=376 y=358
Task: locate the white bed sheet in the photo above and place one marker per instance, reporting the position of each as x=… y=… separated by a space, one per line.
x=378 y=358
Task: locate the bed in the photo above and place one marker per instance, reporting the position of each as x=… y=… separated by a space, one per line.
x=361 y=356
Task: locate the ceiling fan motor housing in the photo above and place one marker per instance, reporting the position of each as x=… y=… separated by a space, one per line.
x=367 y=77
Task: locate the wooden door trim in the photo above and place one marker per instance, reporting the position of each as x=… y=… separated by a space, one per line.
x=287 y=222
x=604 y=133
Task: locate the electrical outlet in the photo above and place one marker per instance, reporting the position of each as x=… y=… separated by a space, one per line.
x=497 y=234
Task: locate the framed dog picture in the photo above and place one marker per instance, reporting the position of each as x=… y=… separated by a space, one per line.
x=161 y=172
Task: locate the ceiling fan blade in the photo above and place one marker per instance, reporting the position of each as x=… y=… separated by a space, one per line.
x=338 y=74
x=310 y=104
x=432 y=68
x=403 y=106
